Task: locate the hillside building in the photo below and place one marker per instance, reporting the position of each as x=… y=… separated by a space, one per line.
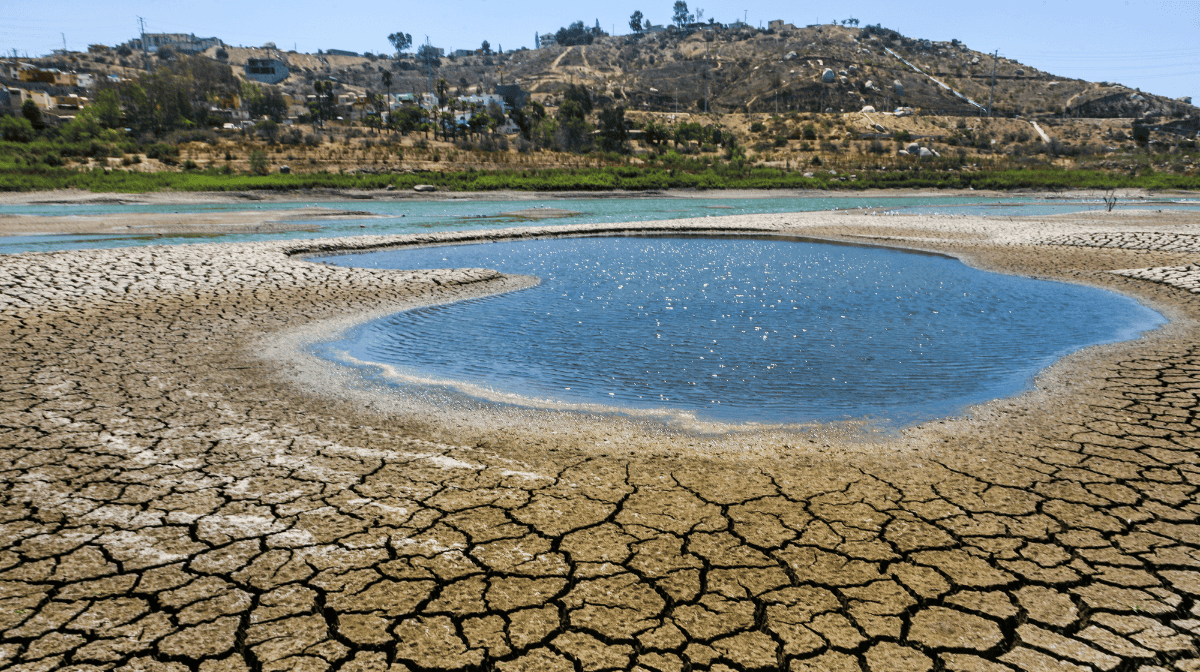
x=266 y=70
x=185 y=43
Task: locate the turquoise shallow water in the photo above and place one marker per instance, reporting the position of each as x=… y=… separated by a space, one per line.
x=397 y=217
x=736 y=329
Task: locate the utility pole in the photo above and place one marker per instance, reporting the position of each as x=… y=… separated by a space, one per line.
x=995 y=58
x=64 y=36
x=142 y=25
x=707 y=72
x=429 y=65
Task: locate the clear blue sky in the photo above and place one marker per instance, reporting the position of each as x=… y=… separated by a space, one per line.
x=1153 y=45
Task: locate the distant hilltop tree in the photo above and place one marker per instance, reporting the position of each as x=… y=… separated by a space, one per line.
x=400 y=41
x=428 y=55
x=577 y=33
x=681 y=17
x=635 y=22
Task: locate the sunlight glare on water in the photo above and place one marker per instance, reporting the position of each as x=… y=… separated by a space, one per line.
x=738 y=329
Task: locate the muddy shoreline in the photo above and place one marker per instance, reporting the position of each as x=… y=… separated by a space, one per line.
x=76 y=196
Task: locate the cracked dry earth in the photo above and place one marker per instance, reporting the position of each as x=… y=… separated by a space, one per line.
x=170 y=503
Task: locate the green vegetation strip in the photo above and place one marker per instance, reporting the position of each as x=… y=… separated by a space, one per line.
x=24 y=178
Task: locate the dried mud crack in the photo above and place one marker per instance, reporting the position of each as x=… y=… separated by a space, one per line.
x=171 y=500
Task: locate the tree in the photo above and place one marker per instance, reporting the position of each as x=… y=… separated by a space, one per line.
x=681 y=17
x=16 y=129
x=107 y=108
x=325 y=98
x=427 y=55
x=613 y=134
x=573 y=132
x=635 y=22
x=442 y=89
x=487 y=48
x=577 y=33
x=30 y=111
x=264 y=101
x=222 y=55
x=258 y=162
x=387 y=82
x=401 y=41
x=576 y=98
x=268 y=129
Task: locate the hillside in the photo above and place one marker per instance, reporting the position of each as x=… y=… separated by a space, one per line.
x=751 y=70
x=767 y=89
x=740 y=70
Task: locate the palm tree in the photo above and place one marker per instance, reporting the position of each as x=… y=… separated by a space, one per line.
x=387 y=81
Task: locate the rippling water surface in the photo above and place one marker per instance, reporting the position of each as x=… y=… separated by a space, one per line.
x=737 y=329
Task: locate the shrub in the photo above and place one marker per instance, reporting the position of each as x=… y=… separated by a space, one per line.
x=258 y=162
x=757 y=127
x=16 y=129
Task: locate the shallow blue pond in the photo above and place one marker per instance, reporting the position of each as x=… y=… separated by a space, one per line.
x=738 y=329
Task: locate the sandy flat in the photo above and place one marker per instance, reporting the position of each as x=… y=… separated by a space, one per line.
x=185 y=482
x=203 y=223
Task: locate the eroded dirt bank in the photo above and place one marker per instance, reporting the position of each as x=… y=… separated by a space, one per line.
x=181 y=491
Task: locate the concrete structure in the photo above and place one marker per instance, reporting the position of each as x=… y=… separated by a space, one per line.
x=266 y=70
x=485 y=100
x=186 y=43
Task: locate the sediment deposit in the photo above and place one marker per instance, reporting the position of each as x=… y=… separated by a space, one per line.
x=184 y=490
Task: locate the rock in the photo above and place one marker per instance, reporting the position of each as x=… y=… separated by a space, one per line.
x=880 y=128
x=843 y=73
x=424 y=187
x=790 y=56
x=868 y=110
x=844 y=79
x=904 y=112
x=390 y=187
x=1186 y=100
x=975 y=61
x=285 y=169
x=913 y=147
x=828 y=76
x=809 y=175
x=1020 y=72
x=902 y=153
x=869 y=85
x=853 y=69
x=925 y=152
x=898 y=87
